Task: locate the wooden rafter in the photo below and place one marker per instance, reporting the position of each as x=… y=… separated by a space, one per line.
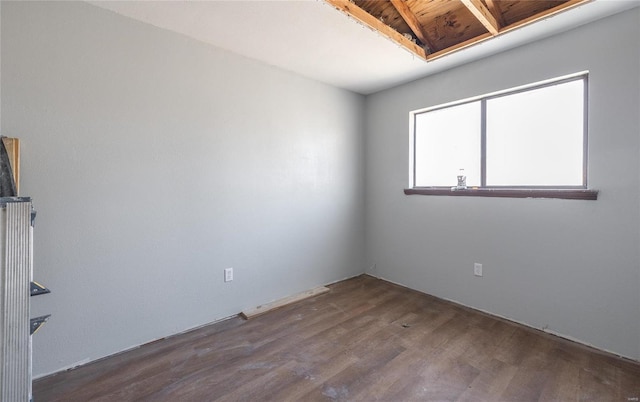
x=482 y=13
x=364 y=17
x=494 y=8
x=411 y=20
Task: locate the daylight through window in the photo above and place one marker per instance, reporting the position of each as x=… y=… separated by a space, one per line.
x=529 y=137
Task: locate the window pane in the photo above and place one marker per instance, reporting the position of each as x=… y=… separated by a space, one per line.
x=447 y=140
x=535 y=138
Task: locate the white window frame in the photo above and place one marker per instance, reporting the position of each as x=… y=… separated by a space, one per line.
x=572 y=191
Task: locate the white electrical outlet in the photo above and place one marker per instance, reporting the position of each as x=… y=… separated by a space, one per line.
x=477 y=269
x=228 y=274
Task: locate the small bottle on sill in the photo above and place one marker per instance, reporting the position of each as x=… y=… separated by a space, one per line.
x=462 y=180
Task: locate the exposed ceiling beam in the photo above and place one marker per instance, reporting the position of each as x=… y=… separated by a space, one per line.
x=541 y=15
x=490 y=15
x=372 y=22
x=415 y=25
x=482 y=13
x=494 y=7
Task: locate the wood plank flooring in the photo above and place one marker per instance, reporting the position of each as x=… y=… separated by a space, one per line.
x=366 y=340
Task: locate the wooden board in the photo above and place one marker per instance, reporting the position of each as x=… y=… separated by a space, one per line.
x=263 y=308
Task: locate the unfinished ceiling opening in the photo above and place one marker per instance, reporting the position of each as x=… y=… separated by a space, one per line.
x=320 y=40
x=434 y=28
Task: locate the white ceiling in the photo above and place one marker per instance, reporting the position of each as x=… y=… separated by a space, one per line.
x=315 y=40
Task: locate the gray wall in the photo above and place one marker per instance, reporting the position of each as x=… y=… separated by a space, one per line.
x=571 y=267
x=155 y=161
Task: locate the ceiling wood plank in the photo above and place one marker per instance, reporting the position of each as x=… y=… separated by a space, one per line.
x=545 y=14
x=415 y=25
x=459 y=46
x=494 y=8
x=482 y=13
x=367 y=19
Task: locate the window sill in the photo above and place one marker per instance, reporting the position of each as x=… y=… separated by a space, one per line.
x=567 y=194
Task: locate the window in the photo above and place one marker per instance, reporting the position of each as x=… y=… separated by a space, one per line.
x=524 y=142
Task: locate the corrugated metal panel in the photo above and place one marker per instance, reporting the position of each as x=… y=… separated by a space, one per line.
x=15 y=341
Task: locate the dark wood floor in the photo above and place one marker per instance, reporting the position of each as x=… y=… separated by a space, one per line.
x=365 y=340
